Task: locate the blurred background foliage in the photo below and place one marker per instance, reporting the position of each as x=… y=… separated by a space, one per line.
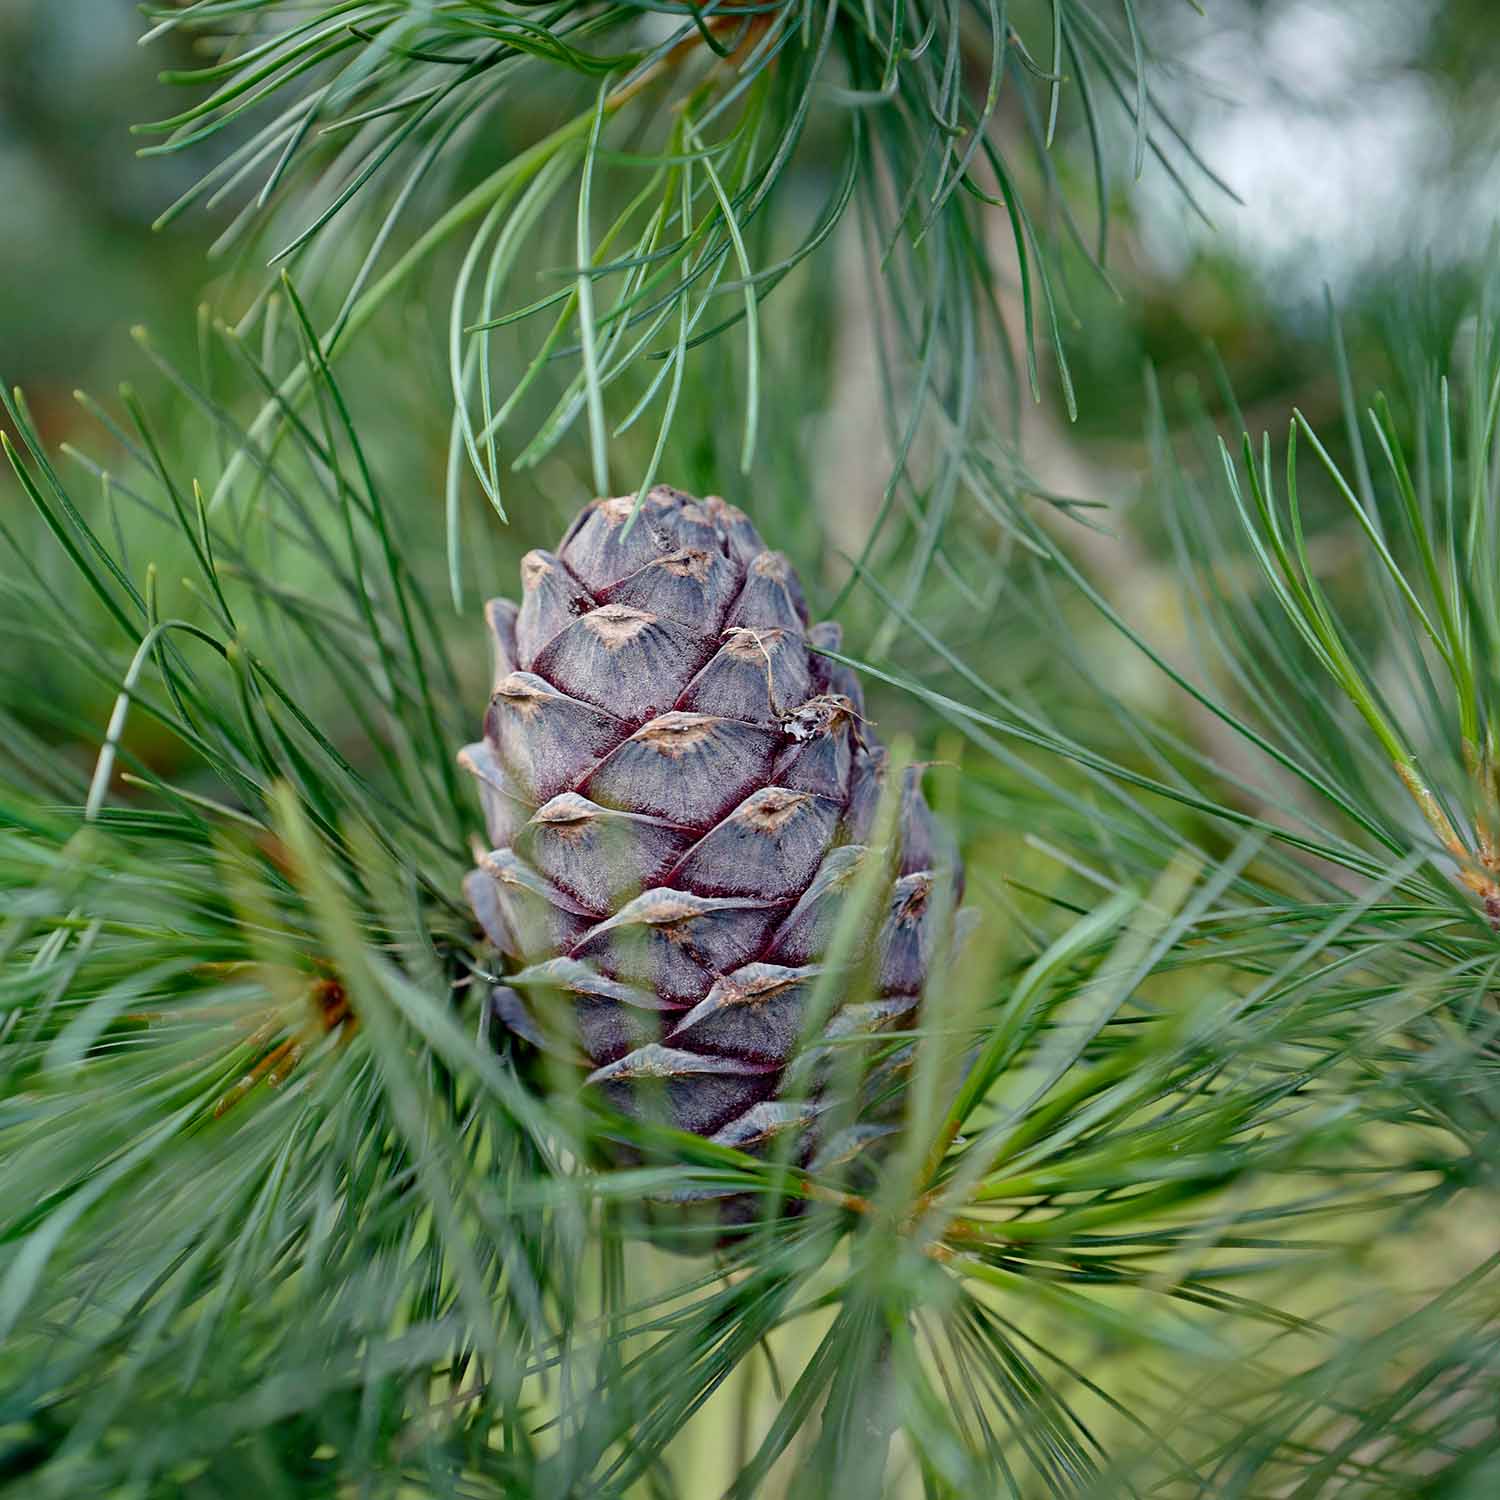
x=1360 y=137
x=82 y=263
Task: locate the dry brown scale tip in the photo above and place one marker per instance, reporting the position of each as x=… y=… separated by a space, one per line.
x=678 y=789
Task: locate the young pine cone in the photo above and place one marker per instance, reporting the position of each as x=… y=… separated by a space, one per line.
x=679 y=793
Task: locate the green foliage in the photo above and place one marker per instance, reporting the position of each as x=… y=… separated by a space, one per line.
x=706 y=135
x=274 y=1206
x=1192 y=1179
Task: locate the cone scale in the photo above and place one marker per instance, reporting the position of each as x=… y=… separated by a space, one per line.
x=678 y=791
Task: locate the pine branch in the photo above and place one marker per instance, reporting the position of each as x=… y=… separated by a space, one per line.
x=1179 y=1163
x=710 y=134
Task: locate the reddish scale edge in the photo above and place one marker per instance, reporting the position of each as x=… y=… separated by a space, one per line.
x=678 y=791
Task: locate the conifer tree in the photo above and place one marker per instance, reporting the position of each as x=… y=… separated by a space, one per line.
x=888 y=1057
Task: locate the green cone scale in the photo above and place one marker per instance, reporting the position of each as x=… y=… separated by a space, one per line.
x=678 y=791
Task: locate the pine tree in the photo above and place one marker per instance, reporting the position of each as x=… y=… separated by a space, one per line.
x=1178 y=1175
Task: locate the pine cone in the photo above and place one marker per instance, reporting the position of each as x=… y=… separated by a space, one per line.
x=679 y=793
